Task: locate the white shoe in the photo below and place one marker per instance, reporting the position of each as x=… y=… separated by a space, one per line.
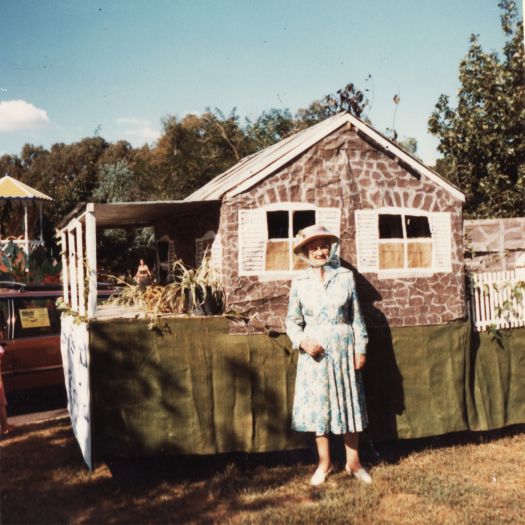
x=320 y=476
x=360 y=474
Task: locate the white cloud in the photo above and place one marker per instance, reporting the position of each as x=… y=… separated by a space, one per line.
x=19 y=114
x=138 y=131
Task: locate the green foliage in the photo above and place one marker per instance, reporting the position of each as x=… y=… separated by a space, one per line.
x=270 y=127
x=116 y=183
x=195 y=149
x=482 y=139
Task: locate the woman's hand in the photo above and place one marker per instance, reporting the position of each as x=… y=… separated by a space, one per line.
x=359 y=361
x=312 y=348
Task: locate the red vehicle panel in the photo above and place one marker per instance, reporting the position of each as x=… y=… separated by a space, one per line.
x=30 y=334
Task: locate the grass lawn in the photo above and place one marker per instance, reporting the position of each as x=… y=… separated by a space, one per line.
x=460 y=479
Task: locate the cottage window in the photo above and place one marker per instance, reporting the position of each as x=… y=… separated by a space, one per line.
x=282 y=227
x=405 y=241
x=266 y=237
x=393 y=241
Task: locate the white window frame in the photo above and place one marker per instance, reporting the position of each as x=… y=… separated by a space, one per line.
x=382 y=273
x=290 y=207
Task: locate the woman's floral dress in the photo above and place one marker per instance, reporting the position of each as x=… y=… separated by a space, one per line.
x=329 y=393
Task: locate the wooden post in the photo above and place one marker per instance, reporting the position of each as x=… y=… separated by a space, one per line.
x=41 y=222
x=26 y=228
x=72 y=267
x=80 y=270
x=65 y=270
x=91 y=259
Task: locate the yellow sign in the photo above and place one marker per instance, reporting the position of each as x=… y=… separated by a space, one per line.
x=34 y=318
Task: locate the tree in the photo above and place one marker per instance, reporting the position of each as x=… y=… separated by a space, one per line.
x=348 y=99
x=270 y=127
x=116 y=183
x=195 y=149
x=482 y=139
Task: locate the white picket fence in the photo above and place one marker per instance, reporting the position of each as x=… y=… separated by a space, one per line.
x=497 y=299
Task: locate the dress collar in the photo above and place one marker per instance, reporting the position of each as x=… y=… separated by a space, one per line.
x=330 y=273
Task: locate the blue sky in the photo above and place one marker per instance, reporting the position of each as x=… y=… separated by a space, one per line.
x=70 y=69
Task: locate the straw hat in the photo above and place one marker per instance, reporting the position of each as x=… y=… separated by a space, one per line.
x=311 y=233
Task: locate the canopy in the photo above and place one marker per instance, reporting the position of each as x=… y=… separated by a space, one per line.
x=14 y=189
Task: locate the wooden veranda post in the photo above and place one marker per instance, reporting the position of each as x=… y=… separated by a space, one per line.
x=65 y=269
x=80 y=270
x=91 y=259
x=72 y=267
x=41 y=219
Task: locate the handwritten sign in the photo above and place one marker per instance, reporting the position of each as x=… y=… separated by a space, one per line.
x=34 y=318
x=74 y=346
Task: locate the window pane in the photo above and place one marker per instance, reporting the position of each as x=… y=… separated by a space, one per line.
x=391 y=256
x=302 y=219
x=417 y=226
x=35 y=317
x=419 y=254
x=390 y=227
x=277 y=224
x=277 y=255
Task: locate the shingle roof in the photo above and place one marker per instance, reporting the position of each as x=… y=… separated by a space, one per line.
x=255 y=168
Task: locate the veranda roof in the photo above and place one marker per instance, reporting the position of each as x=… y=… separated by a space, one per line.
x=123 y=214
x=13 y=189
x=252 y=169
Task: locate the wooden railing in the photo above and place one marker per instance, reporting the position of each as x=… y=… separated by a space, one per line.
x=497 y=299
x=27 y=246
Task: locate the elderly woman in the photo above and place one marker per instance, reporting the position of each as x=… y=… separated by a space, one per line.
x=325 y=323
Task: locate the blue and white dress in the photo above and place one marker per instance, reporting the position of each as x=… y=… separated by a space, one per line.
x=329 y=393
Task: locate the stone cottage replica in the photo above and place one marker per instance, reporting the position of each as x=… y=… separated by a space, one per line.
x=400 y=225
x=401 y=233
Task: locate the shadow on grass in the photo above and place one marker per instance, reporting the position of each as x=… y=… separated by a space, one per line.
x=394 y=451
x=44 y=481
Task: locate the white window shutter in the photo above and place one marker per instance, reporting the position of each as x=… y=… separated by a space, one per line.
x=252 y=241
x=366 y=237
x=330 y=218
x=441 y=229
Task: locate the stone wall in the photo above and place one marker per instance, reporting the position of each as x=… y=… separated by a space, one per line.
x=495 y=244
x=346 y=171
